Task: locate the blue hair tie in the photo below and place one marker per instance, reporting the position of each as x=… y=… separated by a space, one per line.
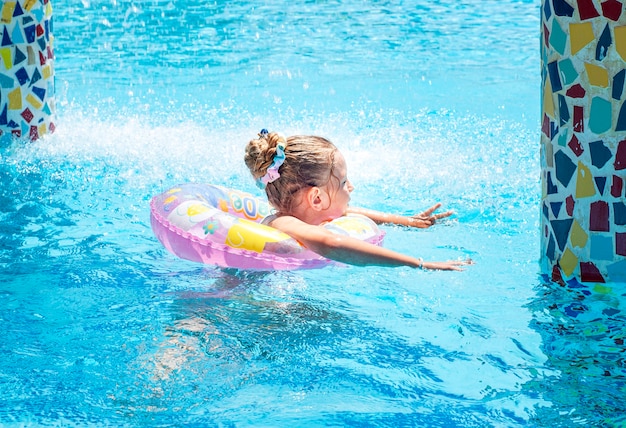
x=272 y=173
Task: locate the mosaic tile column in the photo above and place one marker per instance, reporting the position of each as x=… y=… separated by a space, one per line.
x=26 y=69
x=583 y=140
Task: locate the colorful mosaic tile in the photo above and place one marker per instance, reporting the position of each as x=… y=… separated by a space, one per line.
x=26 y=69
x=583 y=140
x=612 y=9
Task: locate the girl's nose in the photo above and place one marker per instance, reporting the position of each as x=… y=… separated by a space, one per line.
x=350 y=186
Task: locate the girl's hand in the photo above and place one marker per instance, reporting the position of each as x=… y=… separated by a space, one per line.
x=428 y=217
x=449 y=265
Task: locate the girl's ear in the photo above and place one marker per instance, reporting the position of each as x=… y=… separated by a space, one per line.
x=317 y=199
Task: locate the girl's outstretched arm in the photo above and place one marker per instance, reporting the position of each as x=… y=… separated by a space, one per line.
x=351 y=250
x=421 y=220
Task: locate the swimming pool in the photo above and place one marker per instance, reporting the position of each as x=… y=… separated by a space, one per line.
x=429 y=101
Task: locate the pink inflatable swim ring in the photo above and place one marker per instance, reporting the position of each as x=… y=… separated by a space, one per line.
x=222 y=227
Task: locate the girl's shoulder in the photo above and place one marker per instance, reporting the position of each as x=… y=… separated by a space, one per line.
x=267 y=221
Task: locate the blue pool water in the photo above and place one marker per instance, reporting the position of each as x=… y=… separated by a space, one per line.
x=429 y=101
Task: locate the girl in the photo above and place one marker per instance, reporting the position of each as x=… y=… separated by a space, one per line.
x=305 y=179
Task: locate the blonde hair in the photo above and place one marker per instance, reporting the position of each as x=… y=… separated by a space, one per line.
x=309 y=162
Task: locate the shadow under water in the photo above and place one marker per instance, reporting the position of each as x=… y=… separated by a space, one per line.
x=583 y=327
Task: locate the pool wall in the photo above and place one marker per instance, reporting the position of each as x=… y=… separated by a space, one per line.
x=26 y=70
x=583 y=140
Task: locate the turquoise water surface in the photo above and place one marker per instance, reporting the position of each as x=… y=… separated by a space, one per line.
x=428 y=101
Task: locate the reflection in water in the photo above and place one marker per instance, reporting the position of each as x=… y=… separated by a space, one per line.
x=583 y=327
x=260 y=345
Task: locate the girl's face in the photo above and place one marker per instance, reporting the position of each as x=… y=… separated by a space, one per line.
x=339 y=188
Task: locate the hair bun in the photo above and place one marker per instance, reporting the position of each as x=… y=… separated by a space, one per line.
x=261 y=151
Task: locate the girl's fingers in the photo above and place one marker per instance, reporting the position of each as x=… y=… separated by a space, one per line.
x=431 y=210
x=444 y=215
